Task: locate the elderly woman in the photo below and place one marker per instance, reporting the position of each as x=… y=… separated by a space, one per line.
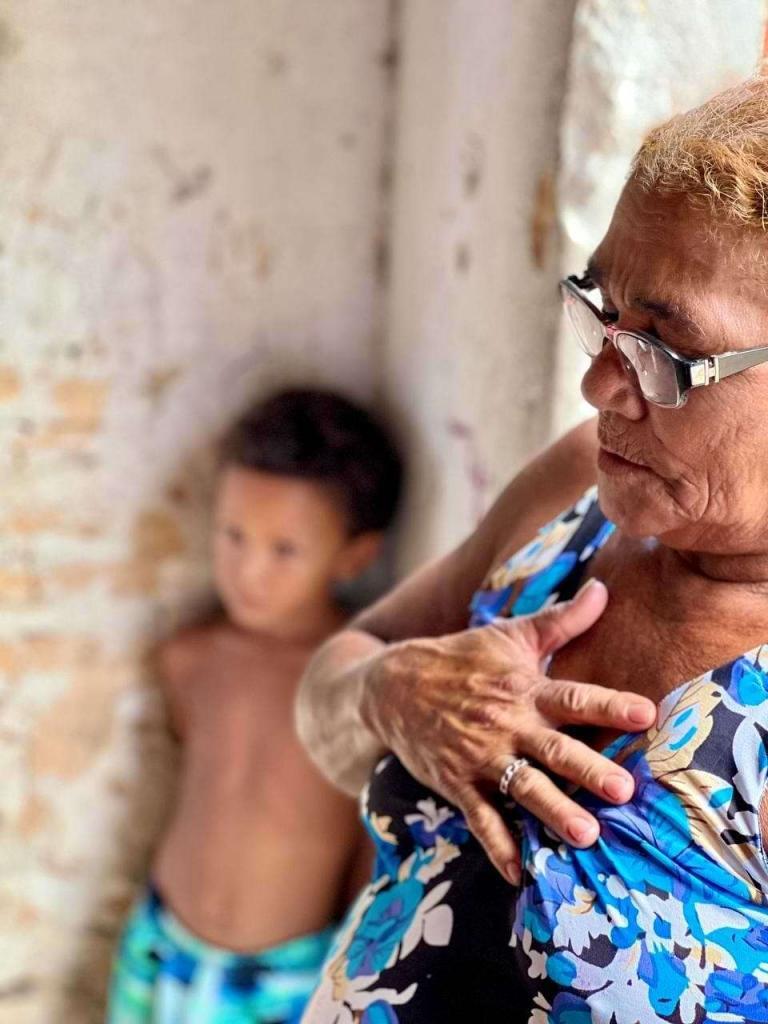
x=654 y=908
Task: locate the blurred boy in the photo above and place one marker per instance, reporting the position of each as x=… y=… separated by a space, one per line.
x=254 y=867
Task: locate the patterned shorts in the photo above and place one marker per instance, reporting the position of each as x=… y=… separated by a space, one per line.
x=164 y=974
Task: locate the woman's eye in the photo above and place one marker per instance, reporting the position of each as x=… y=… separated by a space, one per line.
x=608 y=311
x=284 y=549
x=233 y=535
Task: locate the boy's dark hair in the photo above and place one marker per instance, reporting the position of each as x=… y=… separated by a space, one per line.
x=320 y=436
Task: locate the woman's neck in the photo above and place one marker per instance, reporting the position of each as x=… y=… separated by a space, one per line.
x=674 y=589
x=666 y=620
x=749 y=571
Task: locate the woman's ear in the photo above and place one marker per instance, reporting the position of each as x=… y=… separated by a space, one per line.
x=358 y=554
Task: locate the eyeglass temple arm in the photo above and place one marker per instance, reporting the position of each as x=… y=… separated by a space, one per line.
x=735 y=362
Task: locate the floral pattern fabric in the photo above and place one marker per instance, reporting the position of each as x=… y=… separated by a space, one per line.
x=663 y=919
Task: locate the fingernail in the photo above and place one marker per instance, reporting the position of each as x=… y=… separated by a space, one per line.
x=513 y=872
x=581 y=830
x=639 y=714
x=585 y=586
x=617 y=787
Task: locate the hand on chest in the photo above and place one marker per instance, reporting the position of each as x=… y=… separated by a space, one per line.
x=651 y=637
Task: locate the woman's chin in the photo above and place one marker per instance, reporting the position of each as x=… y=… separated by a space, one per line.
x=632 y=505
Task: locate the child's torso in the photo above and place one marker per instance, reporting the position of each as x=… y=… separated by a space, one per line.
x=245 y=862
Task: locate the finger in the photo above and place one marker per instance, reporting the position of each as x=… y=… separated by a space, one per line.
x=531 y=788
x=555 y=626
x=572 y=703
x=488 y=827
x=571 y=759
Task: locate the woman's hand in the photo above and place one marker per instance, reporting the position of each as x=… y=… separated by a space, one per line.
x=457 y=709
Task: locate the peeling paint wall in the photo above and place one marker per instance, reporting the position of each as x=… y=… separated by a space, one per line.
x=191 y=211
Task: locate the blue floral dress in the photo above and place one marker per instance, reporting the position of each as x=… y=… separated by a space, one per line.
x=663 y=919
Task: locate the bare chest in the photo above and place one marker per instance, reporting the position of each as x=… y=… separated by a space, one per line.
x=629 y=650
x=238 y=707
x=241 y=755
x=651 y=639
x=623 y=652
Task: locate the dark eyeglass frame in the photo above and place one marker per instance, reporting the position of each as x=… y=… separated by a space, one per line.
x=689 y=373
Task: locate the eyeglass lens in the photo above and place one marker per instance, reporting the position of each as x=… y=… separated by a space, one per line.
x=653 y=370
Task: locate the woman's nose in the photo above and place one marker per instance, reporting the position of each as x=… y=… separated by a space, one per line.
x=609 y=387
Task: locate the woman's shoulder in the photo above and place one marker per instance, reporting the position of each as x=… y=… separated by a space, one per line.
x=548 y=568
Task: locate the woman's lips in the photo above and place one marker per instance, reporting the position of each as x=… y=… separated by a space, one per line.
x=613 y=464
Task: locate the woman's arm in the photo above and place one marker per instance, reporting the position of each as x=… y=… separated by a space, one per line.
x=328 y=718
x=432 y=601
x=456 y=705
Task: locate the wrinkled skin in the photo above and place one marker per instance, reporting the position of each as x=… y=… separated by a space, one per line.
x=482 y=698
x=689 y=494
x=705 y=489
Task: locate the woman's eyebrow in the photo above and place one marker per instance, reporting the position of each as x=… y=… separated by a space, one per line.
x=670 y=311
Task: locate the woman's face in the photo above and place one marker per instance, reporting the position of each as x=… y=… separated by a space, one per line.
x=695 y=477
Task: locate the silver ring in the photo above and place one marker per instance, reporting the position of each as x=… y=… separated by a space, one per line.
x=510 y=772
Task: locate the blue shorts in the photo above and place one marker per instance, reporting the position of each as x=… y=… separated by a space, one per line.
x=164 y=974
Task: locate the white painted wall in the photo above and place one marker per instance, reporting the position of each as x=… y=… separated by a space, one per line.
x=471 y=313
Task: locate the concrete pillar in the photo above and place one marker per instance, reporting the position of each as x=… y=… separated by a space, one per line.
x=471 y=313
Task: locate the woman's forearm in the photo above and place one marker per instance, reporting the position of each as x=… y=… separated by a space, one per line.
x=328 y=717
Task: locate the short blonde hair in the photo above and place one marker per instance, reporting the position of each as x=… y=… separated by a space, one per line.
x=716 y=153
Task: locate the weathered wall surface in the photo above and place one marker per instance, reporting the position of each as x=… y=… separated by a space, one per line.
x=471 y=316
x=193 y=208
x=632 y=65
x=190 y=211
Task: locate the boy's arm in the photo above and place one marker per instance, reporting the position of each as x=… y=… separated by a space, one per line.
x=175 y=658
x=432 y=601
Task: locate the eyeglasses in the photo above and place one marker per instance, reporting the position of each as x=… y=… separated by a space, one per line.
x=663 y=376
